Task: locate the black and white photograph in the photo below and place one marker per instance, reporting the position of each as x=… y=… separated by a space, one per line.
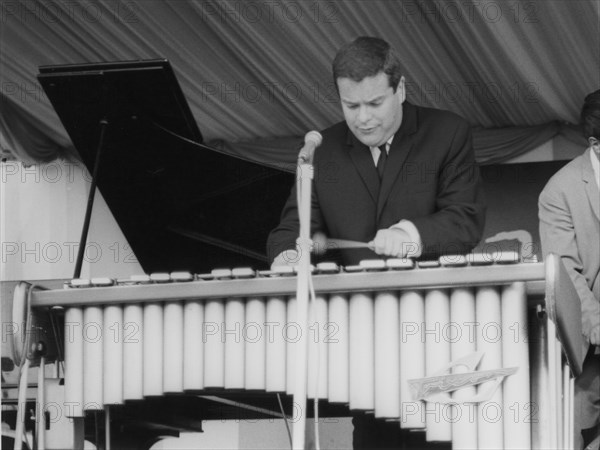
x=300 y=224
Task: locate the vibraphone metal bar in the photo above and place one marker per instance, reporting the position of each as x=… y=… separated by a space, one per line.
x=441 y=277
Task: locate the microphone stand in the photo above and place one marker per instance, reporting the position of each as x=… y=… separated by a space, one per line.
x=304 y=180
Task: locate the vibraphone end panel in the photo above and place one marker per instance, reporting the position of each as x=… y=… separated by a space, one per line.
x=35 y=330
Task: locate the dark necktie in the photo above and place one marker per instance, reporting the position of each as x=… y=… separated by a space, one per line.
x=381 y=161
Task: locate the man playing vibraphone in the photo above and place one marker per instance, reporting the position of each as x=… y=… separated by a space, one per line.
x=401 y=177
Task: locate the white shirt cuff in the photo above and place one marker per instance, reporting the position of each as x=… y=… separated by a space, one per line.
x=414 y=247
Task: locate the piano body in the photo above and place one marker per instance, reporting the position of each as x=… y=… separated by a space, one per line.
x=211 y=333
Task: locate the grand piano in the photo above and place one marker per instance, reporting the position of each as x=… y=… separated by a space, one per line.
x=182 y=205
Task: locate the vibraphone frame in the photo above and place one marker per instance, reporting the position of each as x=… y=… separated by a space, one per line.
x=545 y=432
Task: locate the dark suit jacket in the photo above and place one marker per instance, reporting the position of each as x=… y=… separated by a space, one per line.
x=430 y=179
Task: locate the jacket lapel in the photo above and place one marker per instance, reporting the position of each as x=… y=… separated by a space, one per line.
x=363 y=161
x=591 y=188
x=398 y=152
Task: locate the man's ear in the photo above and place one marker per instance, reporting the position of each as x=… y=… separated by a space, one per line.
x=401 y=90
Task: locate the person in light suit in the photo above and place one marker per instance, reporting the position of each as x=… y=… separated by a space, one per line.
x=569 y=213
x=400 y=177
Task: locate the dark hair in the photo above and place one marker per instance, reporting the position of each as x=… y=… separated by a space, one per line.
x=590 y=115
x=366 y=57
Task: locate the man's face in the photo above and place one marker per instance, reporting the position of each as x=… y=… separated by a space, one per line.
x=373 y=111
x=595 y=146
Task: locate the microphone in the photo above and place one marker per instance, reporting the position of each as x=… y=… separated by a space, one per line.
x=311 y=141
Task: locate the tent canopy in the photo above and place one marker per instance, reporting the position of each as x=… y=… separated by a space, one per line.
x=256 y=74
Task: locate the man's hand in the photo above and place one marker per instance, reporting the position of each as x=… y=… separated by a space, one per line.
x=286 y=258
x=595 y=335
x=392 y=242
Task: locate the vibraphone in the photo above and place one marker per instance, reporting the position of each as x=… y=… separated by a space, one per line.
x=384 y=337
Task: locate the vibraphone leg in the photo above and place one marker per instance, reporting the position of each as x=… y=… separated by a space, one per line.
x=40 y=429
x=571 y=427
x=559 y=393
x=21 y=406
x=63 y=432
x=554 y=385
x=539 y=415
x=566 y=407
x=107 y=442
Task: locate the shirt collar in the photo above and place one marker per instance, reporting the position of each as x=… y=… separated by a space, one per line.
x=387 y=144
x=595 y=167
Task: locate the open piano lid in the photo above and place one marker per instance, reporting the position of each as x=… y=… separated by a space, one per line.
x=180 y=204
